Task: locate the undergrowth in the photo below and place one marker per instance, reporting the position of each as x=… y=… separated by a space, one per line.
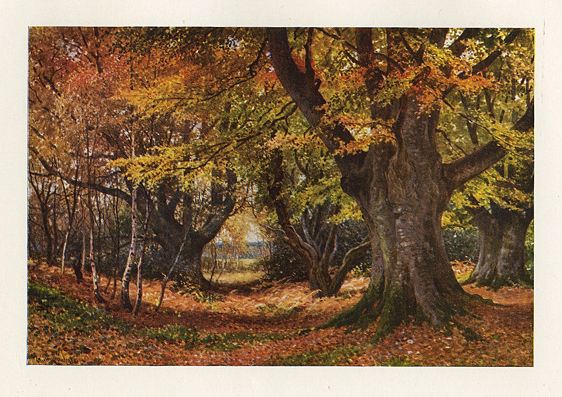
x=67 y=314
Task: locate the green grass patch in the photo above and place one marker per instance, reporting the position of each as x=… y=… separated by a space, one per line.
x=173 y=333
x=217 y=341
x=399 y=361
x=67 y=314
x=338 y=356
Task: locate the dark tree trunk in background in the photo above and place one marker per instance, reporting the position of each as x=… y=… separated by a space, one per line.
x=503 y=231
x=317 y=242
x=191 y=268
x=76 y=265
x=502 y=248
x=171 y=234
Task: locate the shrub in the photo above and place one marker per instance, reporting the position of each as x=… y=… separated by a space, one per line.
x=461 y=243
x=283 y=263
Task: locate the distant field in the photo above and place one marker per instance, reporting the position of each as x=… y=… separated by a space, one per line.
x=236 y=276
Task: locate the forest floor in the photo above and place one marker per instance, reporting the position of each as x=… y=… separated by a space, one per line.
x=260 y=323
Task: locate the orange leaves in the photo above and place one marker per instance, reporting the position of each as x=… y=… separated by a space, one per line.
x=261 y=327
x=292 y=141
x=365 y=138
x=266 y=78
x=428 y=83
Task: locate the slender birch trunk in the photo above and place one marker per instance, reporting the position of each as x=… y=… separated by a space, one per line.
x=170 y=272
x=126 y=278
x=95 y=277
x=138 y=300
x=63 y=254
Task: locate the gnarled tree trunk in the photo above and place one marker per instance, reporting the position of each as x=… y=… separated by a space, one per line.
x=502 y=248
x=190 y=269
x=402 y=192
x=316 y=245
x=400 y=184
x=503 y=231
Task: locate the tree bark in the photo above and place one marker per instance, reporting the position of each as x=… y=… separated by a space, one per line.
x=138 y=300
x=402 y=194
x=83 y=256
x=63 y=254
x=402 y=188
x=170 y=273
x=95 y=276
x=126 y=278
x=76 y=265
x=190 y=270
x=501 y=260
x=316 y=243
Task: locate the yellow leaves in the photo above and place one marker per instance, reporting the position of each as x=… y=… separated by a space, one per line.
x=365 y=138
x=173 y=163
x=395 y=85
x=294 y=141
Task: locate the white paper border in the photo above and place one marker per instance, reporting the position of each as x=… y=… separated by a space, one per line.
x=18 y=379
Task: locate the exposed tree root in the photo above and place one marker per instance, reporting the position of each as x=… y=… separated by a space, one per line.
x=364 y=307
x=480 y=299
x=496 y=281
x=393 y=308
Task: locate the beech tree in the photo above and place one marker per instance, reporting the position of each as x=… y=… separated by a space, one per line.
x=503 y=224
x=399 y=180
x=78 y=74
x=313 y=235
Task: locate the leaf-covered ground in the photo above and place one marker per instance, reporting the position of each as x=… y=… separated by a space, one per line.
x=263 y=324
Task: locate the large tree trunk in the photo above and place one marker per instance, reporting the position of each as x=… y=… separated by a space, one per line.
x=400 y=184
x=402 y=194
x=190 y=270
x=502 y=248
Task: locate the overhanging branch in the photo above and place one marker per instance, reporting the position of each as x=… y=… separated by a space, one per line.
x=462 y=170
x=77 y=182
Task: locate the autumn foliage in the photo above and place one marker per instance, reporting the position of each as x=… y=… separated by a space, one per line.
x=167 y=164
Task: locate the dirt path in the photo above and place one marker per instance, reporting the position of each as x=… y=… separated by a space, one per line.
x=262 y=326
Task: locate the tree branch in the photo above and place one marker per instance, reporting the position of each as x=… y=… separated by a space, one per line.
x=89 y=185
x=302 y=89
x=486 y=62
x=348 y=261
x=459 y=45
x=462 y=170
